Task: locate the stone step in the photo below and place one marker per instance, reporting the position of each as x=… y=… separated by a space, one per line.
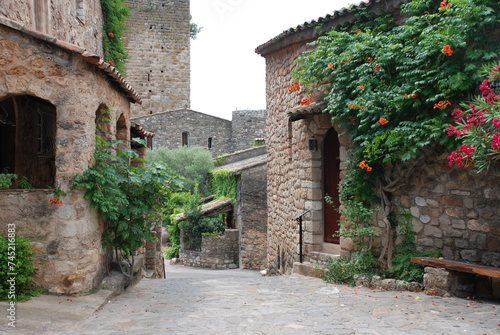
x=309 y=269
x=322 y=257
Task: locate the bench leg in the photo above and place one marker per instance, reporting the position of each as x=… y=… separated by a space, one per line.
x=442 y=282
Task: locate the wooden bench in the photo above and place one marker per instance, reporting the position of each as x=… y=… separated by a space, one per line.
x=442 y=278
x=458 y=266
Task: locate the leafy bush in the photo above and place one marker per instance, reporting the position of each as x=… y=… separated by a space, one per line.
x=130 y=199
x=16 y=258
x=342 y=270
x=6 y=180
x=223 y=184
x=191 y=163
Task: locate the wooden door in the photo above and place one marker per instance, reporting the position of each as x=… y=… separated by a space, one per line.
x=331 y=177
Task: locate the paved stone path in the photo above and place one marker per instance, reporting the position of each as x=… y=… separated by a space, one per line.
x=196 y=301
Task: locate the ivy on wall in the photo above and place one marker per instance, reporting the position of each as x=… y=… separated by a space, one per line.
x=115 y=13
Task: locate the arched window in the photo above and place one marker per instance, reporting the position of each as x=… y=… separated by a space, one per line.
x=28 y=139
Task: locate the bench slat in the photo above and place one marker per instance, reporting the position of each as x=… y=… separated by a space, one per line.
x=458 y=266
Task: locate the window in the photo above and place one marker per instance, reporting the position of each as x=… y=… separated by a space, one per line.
x=28 y=137
x=209 y=143
x=185 y=139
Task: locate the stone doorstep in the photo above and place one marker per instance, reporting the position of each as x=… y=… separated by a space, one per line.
x=322 y=257
x=309 y=269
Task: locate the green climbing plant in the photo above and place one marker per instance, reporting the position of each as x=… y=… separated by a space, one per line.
x=129 y=198
x=391 y=83
x=115 y=13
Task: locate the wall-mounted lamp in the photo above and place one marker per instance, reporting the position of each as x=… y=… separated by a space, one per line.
x=313 y=144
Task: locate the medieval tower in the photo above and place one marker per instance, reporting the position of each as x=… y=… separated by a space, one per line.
x=158 y=45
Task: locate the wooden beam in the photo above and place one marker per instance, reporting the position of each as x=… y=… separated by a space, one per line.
x=458 y=266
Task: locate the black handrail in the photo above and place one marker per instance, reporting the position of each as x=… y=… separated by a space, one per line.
x=299 y=219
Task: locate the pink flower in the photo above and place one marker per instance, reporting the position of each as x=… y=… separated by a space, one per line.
x=495 y=141
x=467 y=149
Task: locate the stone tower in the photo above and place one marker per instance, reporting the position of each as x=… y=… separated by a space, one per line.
x=158 y=45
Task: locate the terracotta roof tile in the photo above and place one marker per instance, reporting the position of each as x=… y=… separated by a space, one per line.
x=113 y=75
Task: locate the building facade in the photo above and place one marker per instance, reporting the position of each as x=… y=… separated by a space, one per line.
x=54 y=89
x=452 y=210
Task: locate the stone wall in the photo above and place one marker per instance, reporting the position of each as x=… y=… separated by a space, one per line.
x=158 y=44
x=67 y=237
x=217 y=252
x=455 y=210
x=251 y=217
x=75 y=21
x=169 y=127
x=247 y=125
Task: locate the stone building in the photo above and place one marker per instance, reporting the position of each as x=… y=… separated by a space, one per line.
x=54 y=88
x=158 y=45
x=177 y=128
x=453 y=210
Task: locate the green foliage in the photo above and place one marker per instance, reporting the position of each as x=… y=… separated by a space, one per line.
x=191 y=163
x=25 y=184
x=194 y=30
x=174 y=231
x=224 y=184
x=6 y=180
x=399 y=72
x=16 y=257
x=402 y=268
x=130 y=199
x=343 y=270
x=115 y=14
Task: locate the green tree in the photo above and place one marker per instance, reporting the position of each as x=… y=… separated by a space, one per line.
x=192 y=163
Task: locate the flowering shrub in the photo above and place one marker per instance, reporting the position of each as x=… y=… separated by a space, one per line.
x=403 y=72
x=477 y=128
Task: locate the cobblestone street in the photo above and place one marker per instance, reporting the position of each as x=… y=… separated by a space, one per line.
x=197 y=301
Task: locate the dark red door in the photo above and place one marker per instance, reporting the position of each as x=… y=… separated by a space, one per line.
x=331 y=178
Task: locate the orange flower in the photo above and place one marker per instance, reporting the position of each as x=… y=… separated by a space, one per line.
x=306 y=101
x=361 y=87
x=330 y=65
x=447 y=50
x=370 y=59
x=442 y=104
x=382 y=121
x=377 y=67
x=363 y=165
x=111 y=62
x=111 y=35
x=445 y=5
x=294 y=87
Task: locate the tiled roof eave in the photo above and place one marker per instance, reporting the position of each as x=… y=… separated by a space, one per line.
x=112 y=74
x=308 y=111
x=311 y=30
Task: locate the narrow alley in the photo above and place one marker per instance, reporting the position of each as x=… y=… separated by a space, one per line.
x=201 y=301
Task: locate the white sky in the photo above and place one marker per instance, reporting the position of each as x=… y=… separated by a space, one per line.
x=226 y=73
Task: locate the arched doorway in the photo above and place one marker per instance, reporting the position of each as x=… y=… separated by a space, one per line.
x=331 y=177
